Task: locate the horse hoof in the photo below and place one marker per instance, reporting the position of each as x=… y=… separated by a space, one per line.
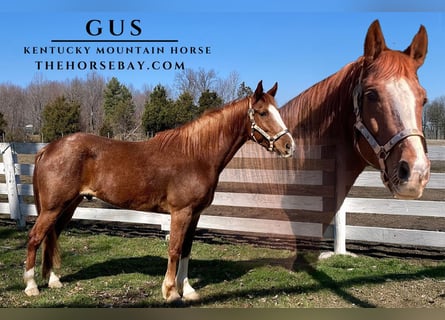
x=192 y=296
x=55 y=284
x=33 y=291
x=174 y=298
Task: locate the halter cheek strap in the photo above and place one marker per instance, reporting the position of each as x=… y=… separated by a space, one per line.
x=254 y=127
x=381 y=152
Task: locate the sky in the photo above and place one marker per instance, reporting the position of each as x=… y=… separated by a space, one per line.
x=295 y=44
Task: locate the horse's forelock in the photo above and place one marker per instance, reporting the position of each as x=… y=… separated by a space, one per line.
x=391 y=63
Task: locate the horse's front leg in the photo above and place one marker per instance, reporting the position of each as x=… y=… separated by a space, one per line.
x=180 y=222
x=182 y=281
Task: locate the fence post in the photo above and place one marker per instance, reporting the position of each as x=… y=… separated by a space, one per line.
x=12 y=181
x=340 y=230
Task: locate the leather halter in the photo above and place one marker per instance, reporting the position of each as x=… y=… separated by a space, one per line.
x=382 y=152
x=254 y=127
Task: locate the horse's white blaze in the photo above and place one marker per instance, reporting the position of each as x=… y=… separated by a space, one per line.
x=182 y=280
x=276 y=116
x=404 y=102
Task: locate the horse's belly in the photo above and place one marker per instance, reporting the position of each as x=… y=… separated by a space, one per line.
x=130 y=197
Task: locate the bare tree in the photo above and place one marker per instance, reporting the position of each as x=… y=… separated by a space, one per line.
x=92 y=101
x=139 y=99
x=195 y=82
x=434 y=119
x=38 y=94
x=12 y=102
x=227 y=88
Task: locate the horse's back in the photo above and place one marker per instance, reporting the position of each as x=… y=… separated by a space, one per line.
x=80 y=146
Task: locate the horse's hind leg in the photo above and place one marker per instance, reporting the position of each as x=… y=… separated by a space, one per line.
x=51 y=256
x=45 y=221
x=47 y=228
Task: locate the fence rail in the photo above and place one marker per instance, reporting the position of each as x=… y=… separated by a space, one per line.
x=243 y=205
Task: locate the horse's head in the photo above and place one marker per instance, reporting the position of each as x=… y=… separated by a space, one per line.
x=388 y=102
x=266 y=126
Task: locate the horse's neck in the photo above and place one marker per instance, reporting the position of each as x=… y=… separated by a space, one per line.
x=231 y=140
x=323 y=115
x=217 y=136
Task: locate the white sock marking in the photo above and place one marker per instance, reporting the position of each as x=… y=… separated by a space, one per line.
x=31 y=285
x=182 y=281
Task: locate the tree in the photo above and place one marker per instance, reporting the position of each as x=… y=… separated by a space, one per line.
x=208 y=100
x=118 y=110
x=195 y=82
x=227 y=88
x=91 y=111
x=156 y=111
x=60 y=117
x=39 y=93
x=184 y=109
x=434 y=118
x=12 y=107
x=3 y=125
x=244 y=91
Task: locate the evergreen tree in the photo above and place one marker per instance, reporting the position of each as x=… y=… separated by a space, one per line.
x=244 y=91
x=60 y=118
x=184 y=109
x=118 y=109
x=208 y=100
x=156 y=111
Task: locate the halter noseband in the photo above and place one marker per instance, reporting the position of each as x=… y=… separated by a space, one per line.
x=381 y=152
x=254 y=127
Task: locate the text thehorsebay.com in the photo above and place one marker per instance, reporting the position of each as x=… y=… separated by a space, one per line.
x=113 y=45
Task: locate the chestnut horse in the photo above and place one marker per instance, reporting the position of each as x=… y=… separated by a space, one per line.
x=371 y=111
x=176 y=171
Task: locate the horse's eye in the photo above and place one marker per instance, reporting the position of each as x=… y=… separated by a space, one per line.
x=262 y=113
x=372 y=95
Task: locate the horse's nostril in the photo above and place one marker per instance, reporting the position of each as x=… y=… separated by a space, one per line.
x=404 y=172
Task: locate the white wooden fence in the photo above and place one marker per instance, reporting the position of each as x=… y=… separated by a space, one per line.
x=241 y=204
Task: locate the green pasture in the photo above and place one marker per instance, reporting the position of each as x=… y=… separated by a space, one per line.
x=114 y=271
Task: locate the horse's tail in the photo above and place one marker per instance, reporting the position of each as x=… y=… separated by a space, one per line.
x=50 y=253
x=35 y=179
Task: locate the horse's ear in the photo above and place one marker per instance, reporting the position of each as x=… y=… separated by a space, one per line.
x=419 y=46
x=258 y=92
x=374 y=42
x=273 y=91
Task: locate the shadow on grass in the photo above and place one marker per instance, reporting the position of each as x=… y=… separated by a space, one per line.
x=208 y=272
x=205 y=273
x=7 y=233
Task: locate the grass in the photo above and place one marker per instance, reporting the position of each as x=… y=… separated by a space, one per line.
x=113 y=271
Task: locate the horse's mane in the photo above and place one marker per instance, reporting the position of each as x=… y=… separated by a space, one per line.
x=319 y=115
x=202 y=136
x=313 y=114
